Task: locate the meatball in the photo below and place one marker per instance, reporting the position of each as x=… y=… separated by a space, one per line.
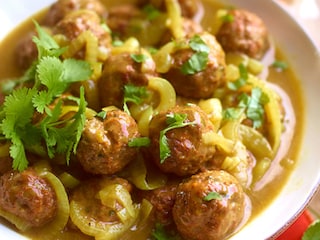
x=119 y=18
x=26 y=51
x=127 y=20
x=202 y=83
x=162 y=199
x=28 y=196
x=246 y=34
x=119 y=70
x=61 y=8
x=188 y=151
x=76 y=22
x=103 y=147
x=209 y=205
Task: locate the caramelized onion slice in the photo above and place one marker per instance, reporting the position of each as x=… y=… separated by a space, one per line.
x=113 y=196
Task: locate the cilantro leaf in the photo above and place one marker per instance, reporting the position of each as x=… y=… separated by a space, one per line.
x=312 y=232
x=160 y=233
x=9 y=84
x=75 y=70
x=281 y=65
x=18 y=111
x=151 y=12
x=174 y=120
x=102 y=115
x=227 y=18
x=17 y=152
x=212 y=196
x=134 y=94
x=198 y=45
x=254 y=105
x=139 y=58
x=46 y=45
x=241 y=81
x=232 y=113
x=198 y=61
x=139 y=142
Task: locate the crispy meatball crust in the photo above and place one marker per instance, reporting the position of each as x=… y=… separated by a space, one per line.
x=76 y=22
x=162 y=200
x=200 y=219
x=246 y=34
x=61 y=8
x=188 y=150
x=120 y=70
x=103 y=147
x=201 y=84
x=28 y=196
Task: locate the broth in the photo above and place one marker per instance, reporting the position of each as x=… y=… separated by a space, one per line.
x=285 y=82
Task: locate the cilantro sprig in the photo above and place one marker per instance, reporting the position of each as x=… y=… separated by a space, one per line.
x=252 y=105
x=51 y=77
x=139 y=142
x=280 y=65
x=241 y=81
x=212 y=196
x=134 y=94
x=198 y=61
x=174 y=120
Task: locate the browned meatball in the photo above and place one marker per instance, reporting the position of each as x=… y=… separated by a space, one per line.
x=162 y=200
x=246 y=33
x=128 y=20
x=190 y=28
x=76 y=22
x=209 y=205
x=119 y=18
x=26 y=51
x=28 y=196
x=188 y=151
x=203 y=82
x=120 y=70
x=61 y=8
x=103 y=147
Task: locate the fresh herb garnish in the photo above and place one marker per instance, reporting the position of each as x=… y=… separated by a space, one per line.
x=227 y=18
x=139 y=58
x=198 y=61
x=139 y=142
x=102 y=115
x=252 y=105
x=151 y=12
x=134 y=94
x=241 y=81
x=174 y=120
x=117 y=43
x=212 y=196
x=160 y=233
x=281 y=65
x=232 y=113
x=52 y=77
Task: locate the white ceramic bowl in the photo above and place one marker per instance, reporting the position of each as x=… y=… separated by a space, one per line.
x=304 y=58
